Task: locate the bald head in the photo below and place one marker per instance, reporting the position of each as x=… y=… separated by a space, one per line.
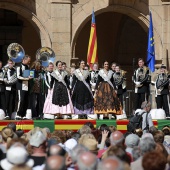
x=55 y=163
x=110 y=163
x=57 y=150
x=117 y=138
x=87 y=160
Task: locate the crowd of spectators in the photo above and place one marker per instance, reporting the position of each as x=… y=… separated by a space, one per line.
x=89 y=148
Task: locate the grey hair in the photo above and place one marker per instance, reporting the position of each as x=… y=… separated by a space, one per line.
x=101 y=165
x=82 y=166
x=136 y=153
x=132 y=140
x=76 y=151
x=85 y=130
x=147 y=144
x=145 y=104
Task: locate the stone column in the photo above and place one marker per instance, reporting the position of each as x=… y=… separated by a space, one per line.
x=166 y=32
x=61 y=29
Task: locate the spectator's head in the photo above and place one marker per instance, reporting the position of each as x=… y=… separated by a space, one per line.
x=91 y=145
x=160 y=148
x=38 y=140
x=132 y=140
x=12 y=126
x=104 y=127
x=55 y=138
x=33 y=131
x=117 y=138
x=18 y=141
x=166 y=130
x=51 y=142
x=159 y=137
x=19 y=133
x=153 y=130
x=87 y=160
x=85 y=137
x=119 y=153
x=85 y=130
x=76 y=136
x=147 y=144
x=70 y=144
x=55 y=163
x=110 y=163
x=59 y=135
x=146 y=106
x=76 y=151
x=147 y=135
x=90 y=125
x=56 y=150
x=112 y=128
x=7 y=134
x=154 y=161
x=16 y=155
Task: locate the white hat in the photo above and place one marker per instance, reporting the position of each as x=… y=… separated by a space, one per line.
x=37 y=139
x=70 y=144
x=2 y=114
x=16 y=156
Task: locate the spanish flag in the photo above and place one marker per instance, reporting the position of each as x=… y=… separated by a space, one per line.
x=92 y=48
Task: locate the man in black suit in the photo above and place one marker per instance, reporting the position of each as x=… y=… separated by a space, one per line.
x=142 y=80
x=22 y=87
x=10 y=89
x=120 y=82
x=162 y=90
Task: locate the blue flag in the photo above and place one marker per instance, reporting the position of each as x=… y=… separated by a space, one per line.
x=151 y=47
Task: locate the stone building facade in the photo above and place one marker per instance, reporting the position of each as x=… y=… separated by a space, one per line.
x=64 y=26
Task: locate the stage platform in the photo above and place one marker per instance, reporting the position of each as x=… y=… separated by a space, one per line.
x=60 y=124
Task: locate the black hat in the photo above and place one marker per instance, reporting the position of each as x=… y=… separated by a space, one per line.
x=163 y=66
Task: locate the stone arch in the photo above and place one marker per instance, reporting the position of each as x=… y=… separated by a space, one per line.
x=32 y=18
x=136 y=14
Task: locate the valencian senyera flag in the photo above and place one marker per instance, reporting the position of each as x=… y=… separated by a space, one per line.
x=151 y=47
x=92 y=48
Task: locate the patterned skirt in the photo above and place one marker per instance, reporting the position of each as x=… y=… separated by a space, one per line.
x=50 y=108
x=106 y=100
